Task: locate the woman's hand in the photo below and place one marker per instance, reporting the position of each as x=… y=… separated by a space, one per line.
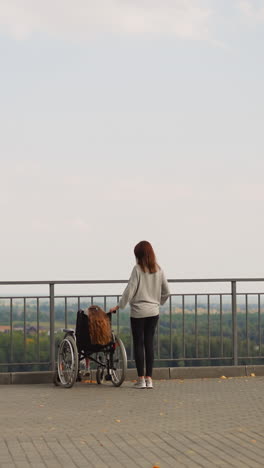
x=114 y=309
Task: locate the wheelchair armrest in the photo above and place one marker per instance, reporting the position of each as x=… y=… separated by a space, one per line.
x=69 y=330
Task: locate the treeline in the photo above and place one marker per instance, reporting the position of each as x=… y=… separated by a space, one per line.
x=30 y=312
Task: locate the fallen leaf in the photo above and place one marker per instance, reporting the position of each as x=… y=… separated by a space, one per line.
x=252 y=375
x=88 y=381
x=223 y=377
x=118 y=420
x=254 y=441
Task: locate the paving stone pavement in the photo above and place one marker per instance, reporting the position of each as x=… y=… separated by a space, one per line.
x=190 y=423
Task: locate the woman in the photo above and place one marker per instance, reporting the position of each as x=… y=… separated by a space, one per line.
x=146 y=290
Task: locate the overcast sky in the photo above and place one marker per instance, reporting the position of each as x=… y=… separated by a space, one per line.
x=124 y=120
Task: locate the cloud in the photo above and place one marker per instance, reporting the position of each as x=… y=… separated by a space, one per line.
x=134 y=189
x=83 y=19
x=252 y=11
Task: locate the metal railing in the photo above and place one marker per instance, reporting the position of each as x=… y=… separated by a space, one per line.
x=194 y=328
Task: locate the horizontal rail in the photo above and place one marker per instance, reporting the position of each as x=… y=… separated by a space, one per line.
x=101 y=296
x=178 y=280
x=37 y=363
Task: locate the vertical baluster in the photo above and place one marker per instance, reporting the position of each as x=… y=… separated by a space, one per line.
x=38 y=344
x=196 y=326
x=52 y=323
x=247 y=337
x=259 y=329
x=234 y=317
x=171 y=349
x=25 y=330
x=221 y=326
x=209 y=325
x=158 y=339
x=117 y=318
x=11 y=329
x=66 y=312
x=183 y=326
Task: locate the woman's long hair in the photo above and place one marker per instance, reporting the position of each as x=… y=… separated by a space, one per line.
x=99 y=326
x=145 y=256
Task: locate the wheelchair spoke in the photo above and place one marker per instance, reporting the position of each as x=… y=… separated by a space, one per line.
x=67 y=361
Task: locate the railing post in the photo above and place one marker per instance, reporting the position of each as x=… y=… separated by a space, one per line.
x=52 y=324
x=234 y=322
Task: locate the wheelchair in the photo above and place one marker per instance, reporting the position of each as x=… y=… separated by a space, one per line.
x=110 y=359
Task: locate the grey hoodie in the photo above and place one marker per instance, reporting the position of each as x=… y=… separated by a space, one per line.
x=145 y=292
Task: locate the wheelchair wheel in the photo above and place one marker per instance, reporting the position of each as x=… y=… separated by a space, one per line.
x=68 y=361
x=119 y=363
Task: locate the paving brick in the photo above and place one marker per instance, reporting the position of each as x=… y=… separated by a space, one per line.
x=181 y=423
x=7 y=465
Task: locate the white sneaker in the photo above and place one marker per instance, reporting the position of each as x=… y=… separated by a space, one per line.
x=140 y=383
x=149 y=383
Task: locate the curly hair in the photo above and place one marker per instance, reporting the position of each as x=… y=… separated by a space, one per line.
x=99 y=326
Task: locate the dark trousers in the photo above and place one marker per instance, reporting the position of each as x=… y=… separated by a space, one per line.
x=143 y=330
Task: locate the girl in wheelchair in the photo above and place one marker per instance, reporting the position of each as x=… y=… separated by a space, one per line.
x=97 y=331
x=93 y=339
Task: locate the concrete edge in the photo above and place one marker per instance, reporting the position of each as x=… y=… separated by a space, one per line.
x=257 y=370
x=5 y=378
x=31 y=377
x=162 y=373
